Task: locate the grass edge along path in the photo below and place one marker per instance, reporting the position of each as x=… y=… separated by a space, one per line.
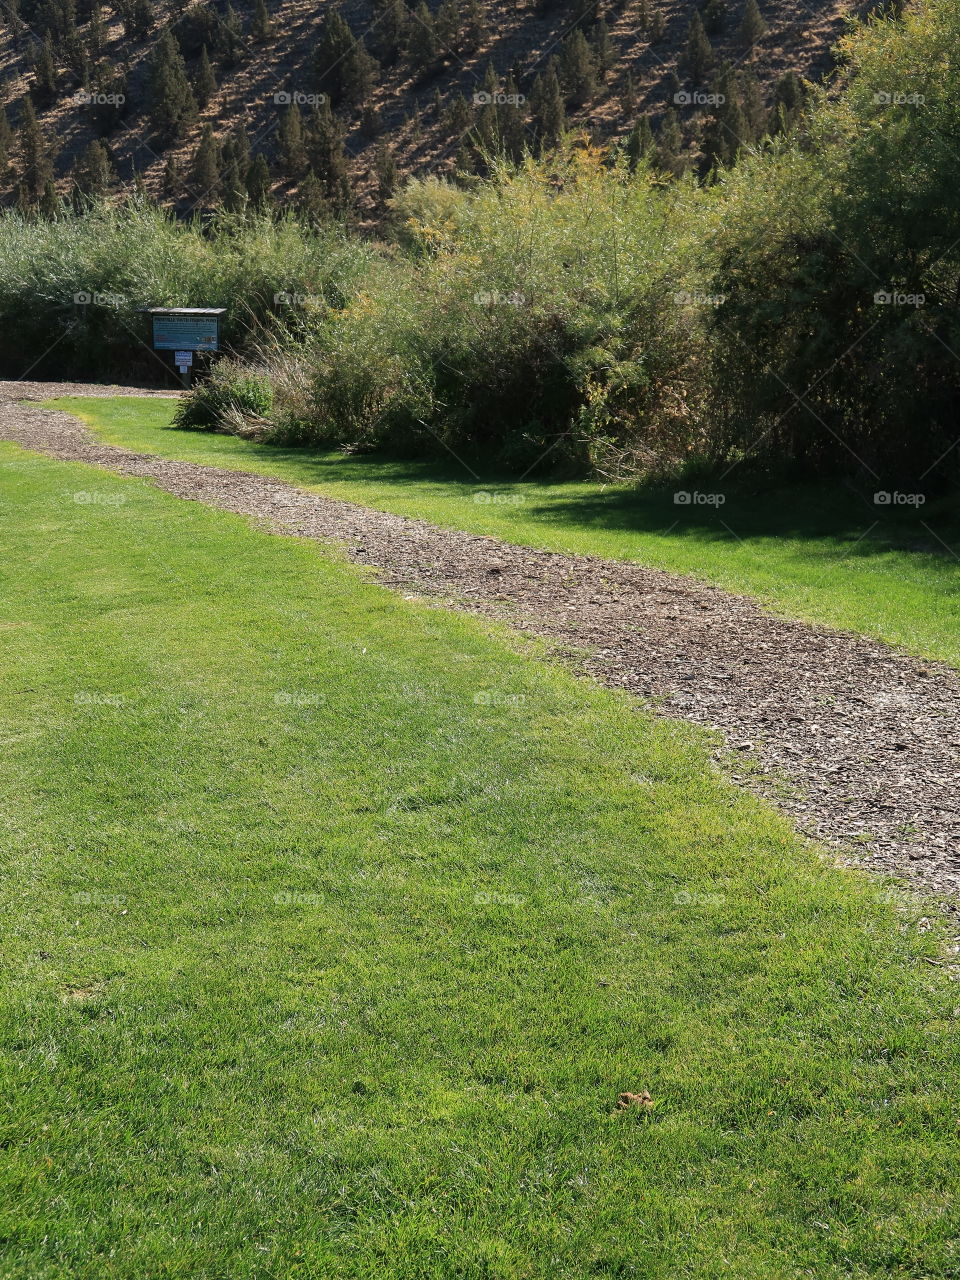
x=818 y=554
x=319 y=964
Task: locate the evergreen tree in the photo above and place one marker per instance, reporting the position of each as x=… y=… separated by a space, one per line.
x=311 y=204
x=628 y=96
x=657 y=28
x=137 y=18
x=578 y=69
x=51 y=207
x=343 y=69
x=258 y=182
x=230 y=36
x=328 y=160
x=385 y=167
x=172 y=105
x=752 y=105
x=236 y=148
x=643 y=17
x=473 y=25
x=752 y=26
x=724 y=134
x=205 y=83
x=45 y=72
x=422 y=45
x=787 y=103
x=35 y=161
x=293 y=156
x=262 y=27
x=700 y=55
x=513 y=135
x=205 y=169
x=97 y=30
x=369 y=121
x=92 y=174
x=639 y=141
x=458 y=116
x=669 y=144
x=106 y=115
x=714 y=16
x=391 y=22
x=602 y=48
x=172 y=180
x=546 y=102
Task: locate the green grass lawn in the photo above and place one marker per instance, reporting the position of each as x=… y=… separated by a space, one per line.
x=822 y=554
x=335 y=924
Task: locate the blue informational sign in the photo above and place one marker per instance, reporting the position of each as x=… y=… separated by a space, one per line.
x=186 y=332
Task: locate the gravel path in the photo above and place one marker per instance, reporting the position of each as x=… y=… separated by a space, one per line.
x=867 y=739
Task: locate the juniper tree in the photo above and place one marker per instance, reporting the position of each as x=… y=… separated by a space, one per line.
x=107 y=114
x=311 y=203
x=752 y=105
x=628 y=96
x=546 y=102
x=92 y=174
x=714 y=16
x=328 y=160
x=725 y=132
x=657 y=27
x=669 y=143
x=45 y=72
x=51 y=206
x=262 y=27
x=513 y=135
x=97 y=30
x=293 y=156
x=172 y=181
x=205 y=82
x=35 y=159
x=639 y=141
x=391 y=20
x=602 y=48
x=230 y=36
x=258 y=182
x=343 y=69
x=385 y=168
x=752 y=25
x=171 y=104
x=369 y=121
x=205 y=168
x=700 y=56
x=422 y=45
x=787 y=103
x=578 y=69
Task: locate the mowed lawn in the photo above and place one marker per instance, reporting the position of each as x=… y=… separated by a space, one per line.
x=335 y=925
x=824 y=554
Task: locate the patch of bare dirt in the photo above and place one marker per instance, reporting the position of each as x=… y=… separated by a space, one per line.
x=866 y=738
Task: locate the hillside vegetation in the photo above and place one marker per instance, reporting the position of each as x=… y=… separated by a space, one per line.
x=329 y=106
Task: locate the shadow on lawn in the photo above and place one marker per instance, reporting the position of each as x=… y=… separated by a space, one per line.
x=840 y=515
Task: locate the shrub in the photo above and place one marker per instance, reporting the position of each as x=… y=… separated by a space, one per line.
x=232 y=396
x=532 y=322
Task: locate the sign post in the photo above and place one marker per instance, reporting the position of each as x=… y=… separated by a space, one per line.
x=184 y=330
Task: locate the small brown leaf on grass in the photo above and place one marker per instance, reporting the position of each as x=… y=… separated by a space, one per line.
x=642 y=1101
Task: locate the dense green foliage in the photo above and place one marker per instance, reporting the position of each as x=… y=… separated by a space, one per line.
x=586 y=310
x=71 y=290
